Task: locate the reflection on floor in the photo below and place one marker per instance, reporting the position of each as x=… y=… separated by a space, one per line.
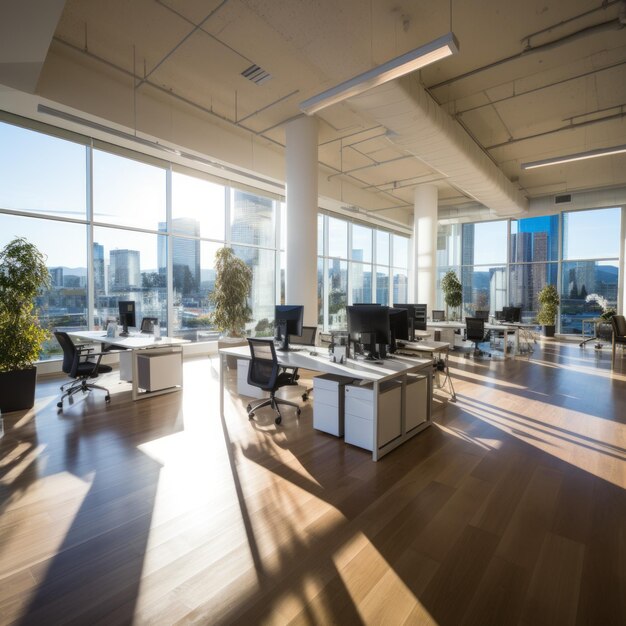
x=510 y=509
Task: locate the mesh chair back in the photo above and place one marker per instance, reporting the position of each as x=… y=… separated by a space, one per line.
x=307 y=338
x=263 y=370
x=438 y=316
x=619 y=325
x=483 y=315
x=475 y=328
x=69 y=352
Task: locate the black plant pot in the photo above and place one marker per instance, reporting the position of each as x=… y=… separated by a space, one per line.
x=17 y=390
x=548 y=331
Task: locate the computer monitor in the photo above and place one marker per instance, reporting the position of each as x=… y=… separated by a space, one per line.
x=482 y=315
x=512 y=314
x=288 y=321
x=398 y=326
x=127 y=315
x=369 y=326
x=438 y=316
x=417 y=317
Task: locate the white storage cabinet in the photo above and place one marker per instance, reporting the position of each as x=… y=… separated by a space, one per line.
x=328 y=403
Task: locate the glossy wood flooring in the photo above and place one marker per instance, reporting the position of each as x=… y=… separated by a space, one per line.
x=511 y=509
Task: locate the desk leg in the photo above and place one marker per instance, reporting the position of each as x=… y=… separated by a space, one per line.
x=449 y=381
x=135 y=388
x=222 y=381
x=375 y=421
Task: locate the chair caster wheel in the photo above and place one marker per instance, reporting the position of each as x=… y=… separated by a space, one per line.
x=249 y=408
x=250 y=416
x=278 y=420
x=107 y=400
x=305 y=396
x=298 y=413
x=60 y=405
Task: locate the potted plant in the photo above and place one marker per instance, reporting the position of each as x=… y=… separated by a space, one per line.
x=23 y=273
x=452 y=290
x=548 y=309
x=233 y=281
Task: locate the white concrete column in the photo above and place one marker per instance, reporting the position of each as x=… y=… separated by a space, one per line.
x=424 y=263
x=301 y=244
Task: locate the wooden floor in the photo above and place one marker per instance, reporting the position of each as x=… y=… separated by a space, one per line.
x=511 y=509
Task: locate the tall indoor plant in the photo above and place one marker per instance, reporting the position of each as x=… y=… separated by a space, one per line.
x=548 y=309
x=452 y=290
x=23 y=273
x=233 y=281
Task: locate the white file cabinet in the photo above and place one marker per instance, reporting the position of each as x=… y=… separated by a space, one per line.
x=159 y=370
x=359 y=414
x=328 y=403
x=416 y=401
x=243 y=388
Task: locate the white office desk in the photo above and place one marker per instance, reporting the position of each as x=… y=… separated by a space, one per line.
x=505 y=329
x=364 y=371
x=137 y=343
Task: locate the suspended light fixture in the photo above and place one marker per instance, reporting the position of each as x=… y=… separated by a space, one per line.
x=579 y=156
x=404 y=64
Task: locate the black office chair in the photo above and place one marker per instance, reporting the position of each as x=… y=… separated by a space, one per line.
x=78 y=365
x=307 y=338
x=148 y=324
x=618 y=322
x=438 y=316
x=476 y=333
x=265 y=373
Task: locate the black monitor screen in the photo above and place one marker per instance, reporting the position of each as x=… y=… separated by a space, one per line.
x=288 y=319
x=398 y=326
x=127 y=314
x=369 y=325
x=417 y=317
x=512 y=313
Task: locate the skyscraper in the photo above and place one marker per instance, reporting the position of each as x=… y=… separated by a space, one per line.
x=124 y=270
x=98 y=269
x=185 y=254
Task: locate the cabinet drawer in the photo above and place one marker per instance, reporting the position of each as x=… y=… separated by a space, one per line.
x=327 y=418
x=416 y=401
x=359 y=432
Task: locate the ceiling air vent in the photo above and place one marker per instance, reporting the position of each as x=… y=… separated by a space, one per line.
x=256 y=74
x=566 y=198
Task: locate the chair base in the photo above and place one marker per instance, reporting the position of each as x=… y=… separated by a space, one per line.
x=80 y=385
x=274 y=403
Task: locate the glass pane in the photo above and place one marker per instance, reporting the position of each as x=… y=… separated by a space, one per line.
x=42 y=174
x=361 y=282
x=525 y=283
x=535 y=239
x=338 y=294
x=282 y=244
x=484 y=243
x=580 y=279
x=263 y=292
x=197 y=207
x=320 y=234
x=320 y=292
x=400 y=252
x=361 y=243
x=127 y=192
x=591 y=234
x=132 y=267
x=64 y=305
x=252 y=219
x=382 y=285
x=400 y=286
x=337 y=238
x=382 y=247
x=283 y=263
x=448 y=244
x=484 y=289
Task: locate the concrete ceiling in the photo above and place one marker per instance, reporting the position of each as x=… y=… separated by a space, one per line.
x=532 y=80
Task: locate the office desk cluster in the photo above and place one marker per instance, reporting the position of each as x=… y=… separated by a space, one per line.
x=381 y=394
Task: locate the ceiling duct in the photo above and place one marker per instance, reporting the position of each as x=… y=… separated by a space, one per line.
x=418 y=125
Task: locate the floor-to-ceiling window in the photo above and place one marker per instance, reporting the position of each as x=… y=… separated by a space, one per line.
x=358 y=263
x=590 y=264
x=448 y=256
x=99 y=214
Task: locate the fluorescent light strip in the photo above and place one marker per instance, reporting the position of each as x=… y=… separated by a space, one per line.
x=579 y=156
x=404 y=64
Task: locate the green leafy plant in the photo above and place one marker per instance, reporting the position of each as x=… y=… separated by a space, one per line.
x=233 y=281
x=549 y=305
x=452 y=290
x=23 y=273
